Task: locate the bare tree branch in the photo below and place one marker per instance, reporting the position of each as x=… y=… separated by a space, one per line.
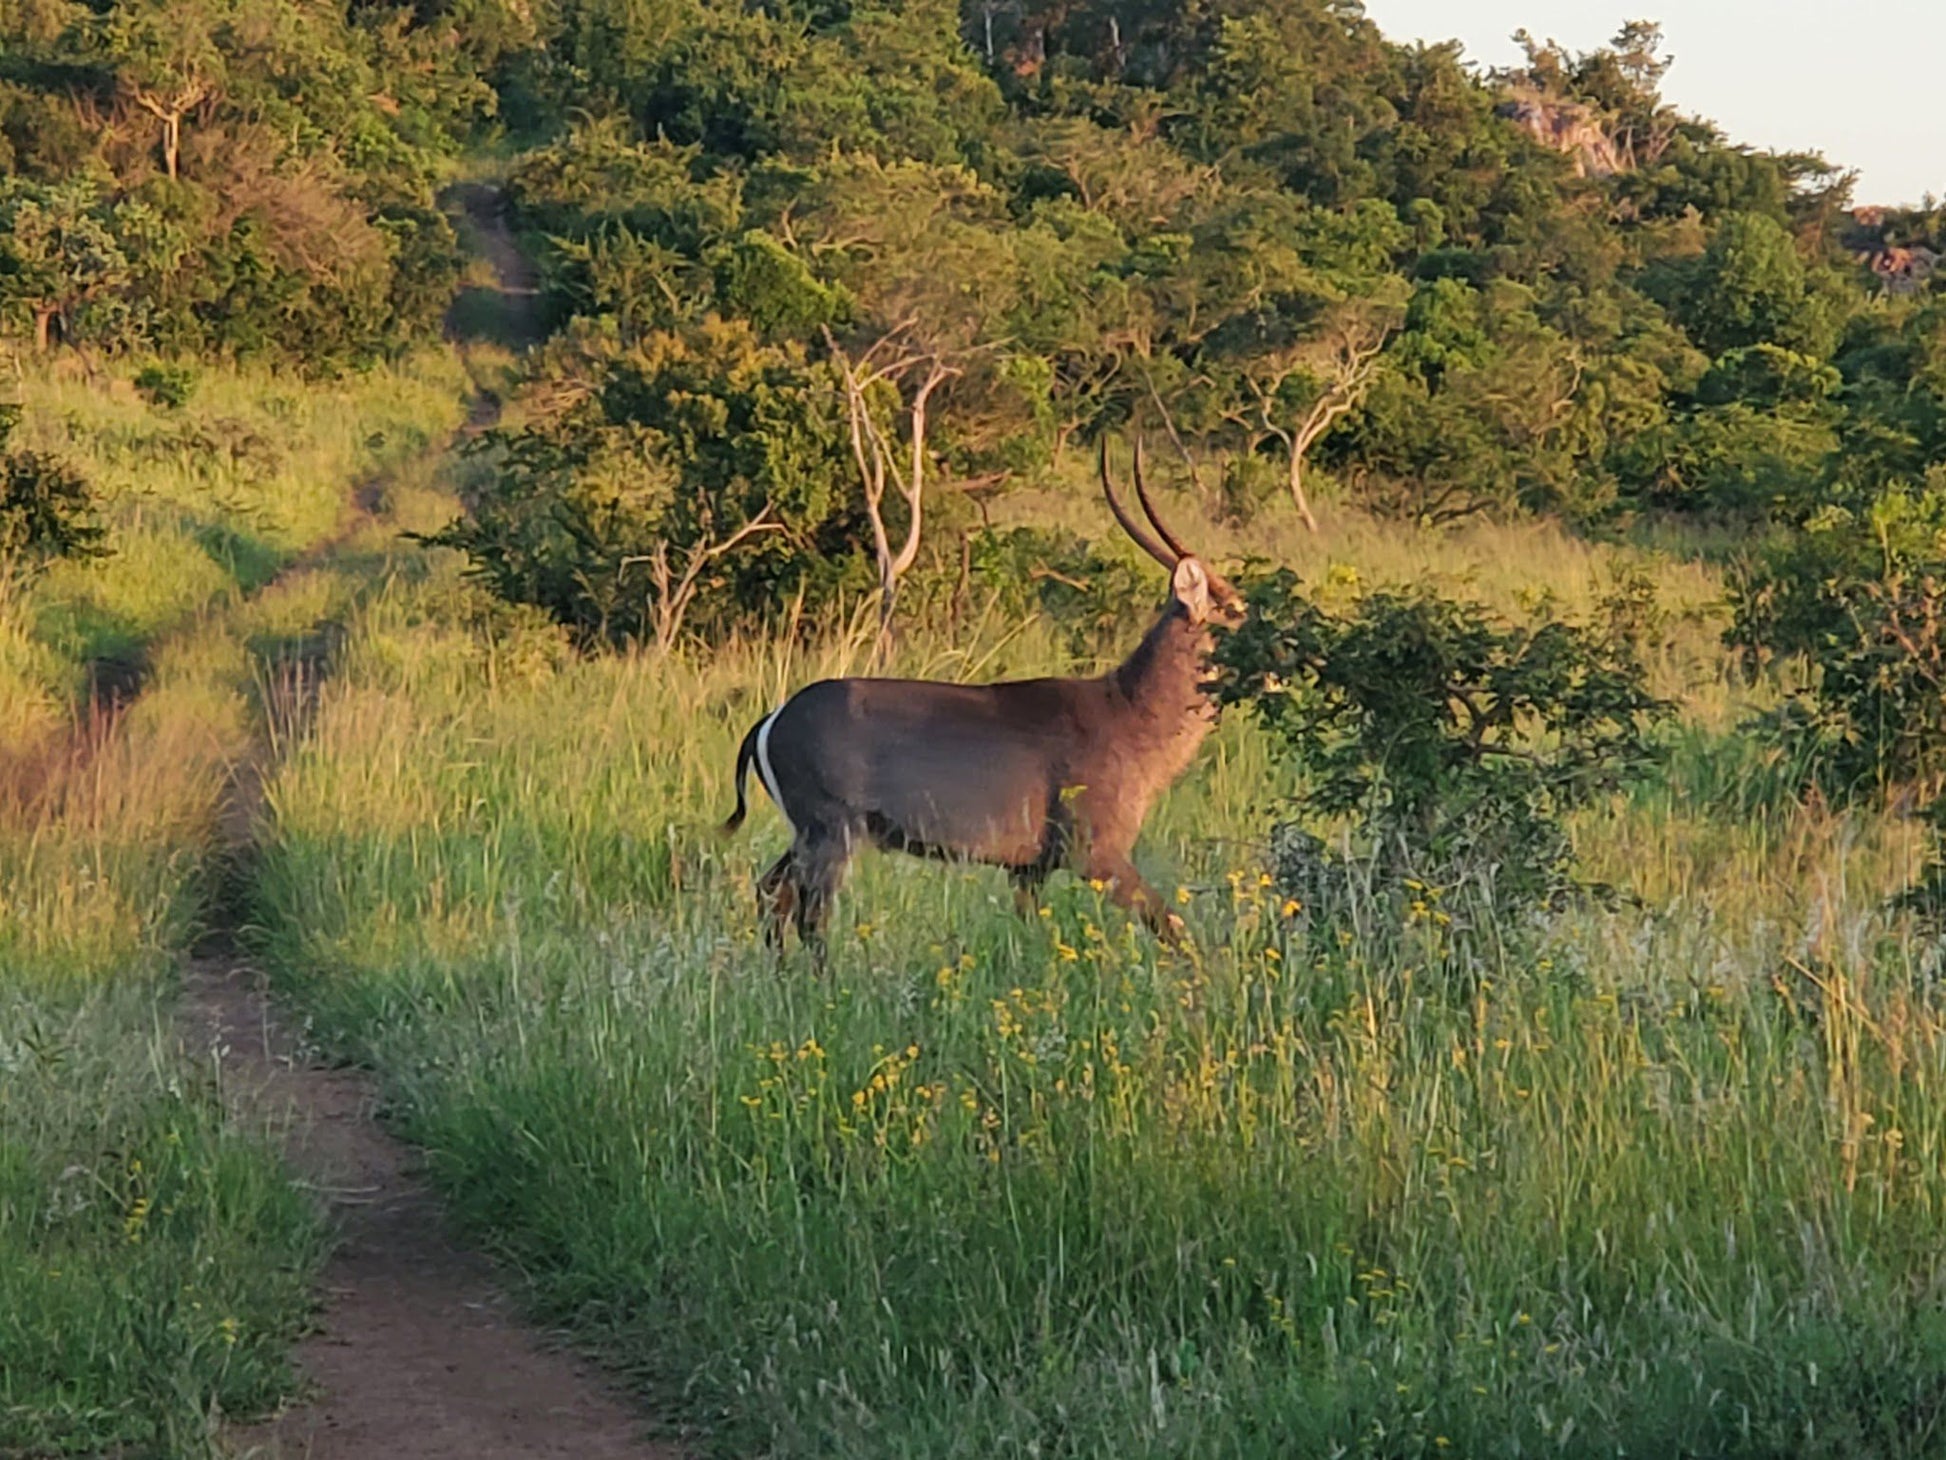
x=877 y=456
x=675 y=592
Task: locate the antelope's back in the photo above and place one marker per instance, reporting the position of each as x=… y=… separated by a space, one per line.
x=967 y=770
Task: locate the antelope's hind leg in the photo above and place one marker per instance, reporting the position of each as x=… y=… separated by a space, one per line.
x=778 y=897
x=819 y=871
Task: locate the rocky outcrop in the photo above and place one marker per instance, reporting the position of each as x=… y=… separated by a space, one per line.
x=1902 y=268
x=1570 y=127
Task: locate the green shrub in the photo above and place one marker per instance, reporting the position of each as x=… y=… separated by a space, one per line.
x=697 y=481
x=167 y=385
x=1441 y=745
x=1859 y=593
x=47 y=508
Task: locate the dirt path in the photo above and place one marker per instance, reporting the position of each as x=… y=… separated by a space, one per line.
x=507 y=311
x=417 y=1354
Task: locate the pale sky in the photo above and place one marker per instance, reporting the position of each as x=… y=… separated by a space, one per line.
x=1862 y=84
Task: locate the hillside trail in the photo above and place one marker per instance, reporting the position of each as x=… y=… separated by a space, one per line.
x=417 y=1353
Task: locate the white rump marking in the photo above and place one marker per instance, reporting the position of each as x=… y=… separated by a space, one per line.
x=764 y=772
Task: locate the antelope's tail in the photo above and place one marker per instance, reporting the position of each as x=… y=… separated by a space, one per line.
x=746 y=753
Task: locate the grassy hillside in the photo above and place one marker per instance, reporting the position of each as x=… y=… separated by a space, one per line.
x=719 y=303
x=986 y=1186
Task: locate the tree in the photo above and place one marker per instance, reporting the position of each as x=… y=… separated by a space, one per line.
x=692 y=471
x=58 y=255
x=895 y=367
x=264 y=170
x=169 y=61
x=923 y=257
x=1751 y=288
x=1300 y=390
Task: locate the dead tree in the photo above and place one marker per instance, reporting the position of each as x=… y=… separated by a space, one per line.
x=915 y=374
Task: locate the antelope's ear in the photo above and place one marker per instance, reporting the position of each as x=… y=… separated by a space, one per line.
x=1191 y=587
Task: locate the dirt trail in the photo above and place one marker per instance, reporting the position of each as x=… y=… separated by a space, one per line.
x=506 y=312
x=417 y=1353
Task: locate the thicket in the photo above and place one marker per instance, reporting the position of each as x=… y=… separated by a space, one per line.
x=1440 y=748
x=228 y=177
x=47 y=507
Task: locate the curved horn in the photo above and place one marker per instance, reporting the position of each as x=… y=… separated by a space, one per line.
x=1142 y=496
x=1143 y=538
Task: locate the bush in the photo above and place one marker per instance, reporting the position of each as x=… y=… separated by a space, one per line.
x=1443 y=744
x=695 y=482
x=168 y=386
x=1859 y=593
x=1034 y=569
x=47 y=508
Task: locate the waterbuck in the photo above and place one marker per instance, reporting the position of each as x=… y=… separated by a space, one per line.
x=1030 y=775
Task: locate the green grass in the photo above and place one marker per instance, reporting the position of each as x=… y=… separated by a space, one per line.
x=1666 y=1181
x=155 y=1261
x=207 y=501
x=1669 y=1183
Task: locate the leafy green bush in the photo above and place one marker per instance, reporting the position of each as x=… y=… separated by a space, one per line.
x=168 y=385
x=1056 y=573
x=47 y=508
x=1444 y=744
x=1859 y=593
x=697 y=475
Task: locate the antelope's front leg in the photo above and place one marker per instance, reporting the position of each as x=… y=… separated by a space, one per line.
x=1127 y=887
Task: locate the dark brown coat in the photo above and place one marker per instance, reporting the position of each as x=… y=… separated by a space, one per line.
x=1029 y=775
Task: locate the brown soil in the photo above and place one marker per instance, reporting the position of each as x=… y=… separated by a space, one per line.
x=416 y=1353
x=508 y=312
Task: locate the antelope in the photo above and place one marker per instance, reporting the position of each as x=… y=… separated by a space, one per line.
x=1029 y=775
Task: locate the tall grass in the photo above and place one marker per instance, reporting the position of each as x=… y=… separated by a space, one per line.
x=1668 y=1182
x=205 y=501
x=154 y=1262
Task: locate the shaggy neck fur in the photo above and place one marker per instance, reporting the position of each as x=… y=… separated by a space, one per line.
x=1163 y=681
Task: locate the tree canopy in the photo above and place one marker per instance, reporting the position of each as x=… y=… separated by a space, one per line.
x=227 y=176
x=1308 y=257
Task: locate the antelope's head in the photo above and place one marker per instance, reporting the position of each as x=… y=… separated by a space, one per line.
x=1204 y=597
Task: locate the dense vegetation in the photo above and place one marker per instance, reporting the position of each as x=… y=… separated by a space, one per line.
x=1604 y=460
x=225 y=177
x=1301 y=254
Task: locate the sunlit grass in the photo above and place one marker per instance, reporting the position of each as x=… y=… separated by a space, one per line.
x=1666 y=1179
x=155 y=1263
x=212 y=499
